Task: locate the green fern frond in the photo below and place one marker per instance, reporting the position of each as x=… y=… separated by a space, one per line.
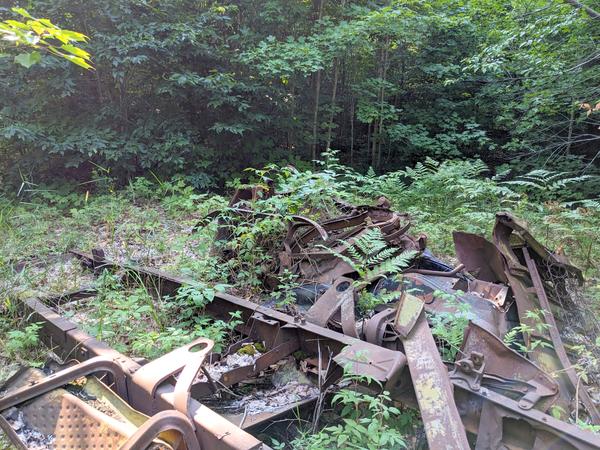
x=370 y=256
x=524 y=183
x=370 y=242
x=566 y=181
x=546 y=180
x=392 y=265
x=354 y=253
x=589 y=203
x=383 y=255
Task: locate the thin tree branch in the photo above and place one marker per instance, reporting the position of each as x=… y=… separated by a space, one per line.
x=590 y=12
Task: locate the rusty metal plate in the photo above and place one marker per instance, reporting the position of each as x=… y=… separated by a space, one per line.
x=79 y=426
x=480 y=257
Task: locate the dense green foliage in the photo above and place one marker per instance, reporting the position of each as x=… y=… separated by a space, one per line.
x=207 y=88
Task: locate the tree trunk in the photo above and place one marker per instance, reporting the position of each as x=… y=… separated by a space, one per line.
x=374 y=142
x=333 y=95
x=368 y=138
x=376 y=148
x=313 y=150
x=352 y=131
x=290 y=136
x=570 y=133
x=383 y=79
x=316 y=117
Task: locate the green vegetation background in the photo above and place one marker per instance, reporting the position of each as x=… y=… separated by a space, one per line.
x=208 y=88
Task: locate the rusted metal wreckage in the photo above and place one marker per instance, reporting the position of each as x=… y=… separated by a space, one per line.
x=490 y=397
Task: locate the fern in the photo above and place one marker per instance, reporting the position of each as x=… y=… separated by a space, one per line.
x=589 y=204
x=370 y=256
x=546 y=181
x=370 y=243
x=391 y=266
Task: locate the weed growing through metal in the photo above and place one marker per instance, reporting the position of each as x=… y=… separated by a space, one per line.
x=285 y=289
x=364 y=421
x=449 y=327
x=519 y=337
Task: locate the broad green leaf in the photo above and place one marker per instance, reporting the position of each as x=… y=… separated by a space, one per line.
x=38 y=27
x=79 y=61
x=28 y=59
x=48 y=23
x=17 y=24
x=22 y=11
x=76 y=51
x=74 y=35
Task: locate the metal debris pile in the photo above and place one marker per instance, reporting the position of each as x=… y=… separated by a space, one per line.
x=504 y=376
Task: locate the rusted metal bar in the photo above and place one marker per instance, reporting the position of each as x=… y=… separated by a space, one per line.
x=275 y=324
x=557 y=343
x=437 y=273
x=329 y=303
x=262 y=363
x=12 y=436
x=440 y=416
x=54 y=381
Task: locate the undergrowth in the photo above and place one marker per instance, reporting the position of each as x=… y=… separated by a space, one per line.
x=359 y=420
x=137 y=321
x=163 y=224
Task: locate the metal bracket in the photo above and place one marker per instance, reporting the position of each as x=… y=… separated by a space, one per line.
x=470 y=370
x=186 y=360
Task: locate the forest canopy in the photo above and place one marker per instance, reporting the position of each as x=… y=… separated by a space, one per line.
x=208 y=88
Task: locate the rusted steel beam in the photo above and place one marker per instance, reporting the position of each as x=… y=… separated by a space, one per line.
x=557 y=342
x=262 y=363
x=437 y=273
x=433 y=389
x=273 y=325
x=330 y=302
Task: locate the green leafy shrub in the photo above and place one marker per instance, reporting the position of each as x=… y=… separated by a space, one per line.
x=365 y=421
x=133 y=319
x=20 y=342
